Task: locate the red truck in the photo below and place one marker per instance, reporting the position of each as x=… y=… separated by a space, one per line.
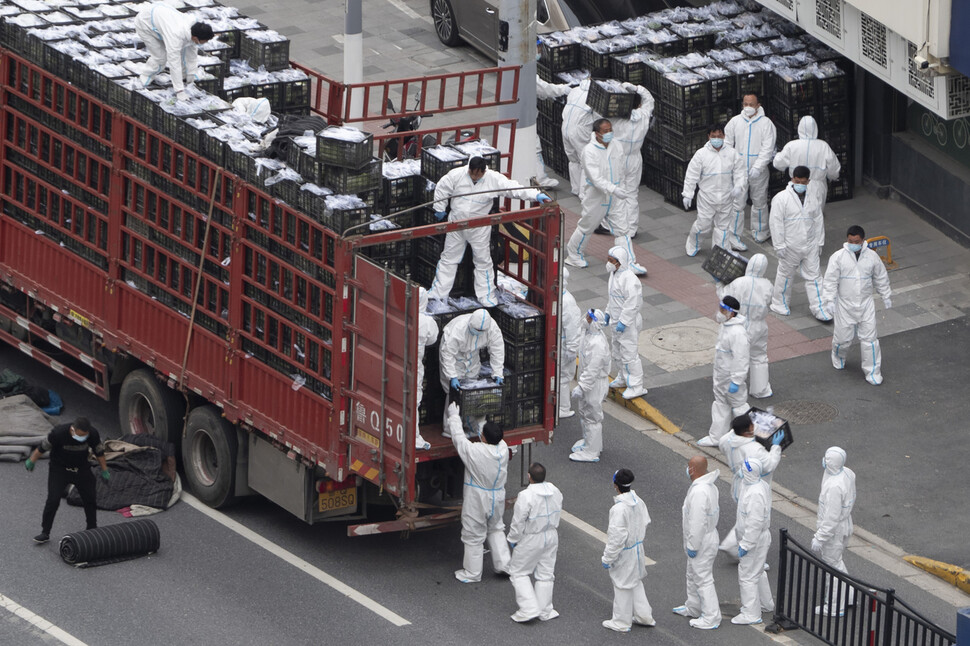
x=267 y=346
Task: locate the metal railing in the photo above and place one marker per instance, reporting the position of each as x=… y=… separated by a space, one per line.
x=858 y=614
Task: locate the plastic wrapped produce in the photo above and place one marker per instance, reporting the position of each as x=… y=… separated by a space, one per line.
x=611 y=29
x=756 y=49
x=784 y=45
x=403 y=168
x=726 y=55
x=694 y=60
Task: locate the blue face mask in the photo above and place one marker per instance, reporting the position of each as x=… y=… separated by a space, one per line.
x=687 y=471
x=607 y=138
x=823 y=464
x=717 y=142
x=79 y=438
x=800 y=188
x=855 y=248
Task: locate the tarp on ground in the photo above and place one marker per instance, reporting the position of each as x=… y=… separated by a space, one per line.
x=23 y=427
x=142 y=473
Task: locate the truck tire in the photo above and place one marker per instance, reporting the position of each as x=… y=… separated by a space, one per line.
x=209 y=456
x=147 y=406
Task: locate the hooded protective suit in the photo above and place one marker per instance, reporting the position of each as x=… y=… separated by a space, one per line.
x=808 y=150
x=258 y=109
x=849 y=283
x=625 y=556
x=731 y=362
x=594 y=374
x=834 y=526
x=715 y=172
x=797 y=234
x=754 y=139
x=534 y=534
x=462 y=342
x=753 y=531
x=454 y=186
x=572 y=334
x=167 y=34
x=546 y=91
x=603 y=168
x=427 y=335
x=577 y=123
x=483 y=503
x=629 y=134
x=700 y=514
x=753 y=291
x=736 y=449
x=626 y=299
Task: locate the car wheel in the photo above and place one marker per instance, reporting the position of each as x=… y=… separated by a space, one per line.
x=445 y=24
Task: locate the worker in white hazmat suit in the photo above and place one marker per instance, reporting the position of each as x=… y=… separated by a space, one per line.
x=731 y=361
x=813 y=153
x=753 y=531
x=427 y=335
x=462 y=342
x=718 y=173
x=172 y=38
x=258 y=109
x=699 y=516
x=737 y=445
x=577 y=123
x=572 y=334
x=483 y=496
x=594 y=374
x=797 y=234
x=623 y=308
x=624 y=556
x=753 y=135
x=834 y=526
x=546 y=91
x=603 y=168
x=753 y=291
x=629 y=134
x=455 y=187
x=853 y=272
x=534 y=537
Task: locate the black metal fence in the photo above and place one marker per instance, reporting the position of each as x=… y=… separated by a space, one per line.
x=843 y=611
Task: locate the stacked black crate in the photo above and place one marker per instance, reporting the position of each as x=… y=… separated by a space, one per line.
x=523 y=329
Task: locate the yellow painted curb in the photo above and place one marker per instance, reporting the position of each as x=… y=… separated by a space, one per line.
x=640 y=406
x=952 y=574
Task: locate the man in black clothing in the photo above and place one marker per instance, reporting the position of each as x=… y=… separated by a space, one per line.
x=70 y=445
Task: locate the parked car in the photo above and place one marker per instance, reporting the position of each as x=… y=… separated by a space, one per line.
x=476 y=22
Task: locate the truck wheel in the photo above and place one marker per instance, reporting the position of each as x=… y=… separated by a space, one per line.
x=147 y=406
x=209 y=456
x=445 y=24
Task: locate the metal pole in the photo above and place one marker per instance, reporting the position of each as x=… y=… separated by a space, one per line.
x=519 y=15
x=354 y=52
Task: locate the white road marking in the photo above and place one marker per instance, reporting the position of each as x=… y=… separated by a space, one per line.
x=586 y=528
x=929 y=283
x=39 y=622
x=296 y=561
x=406 y=10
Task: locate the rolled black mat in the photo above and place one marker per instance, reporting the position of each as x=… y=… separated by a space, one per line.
x=110 y=544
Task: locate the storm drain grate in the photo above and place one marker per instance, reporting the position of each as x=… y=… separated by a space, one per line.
x=806 y=412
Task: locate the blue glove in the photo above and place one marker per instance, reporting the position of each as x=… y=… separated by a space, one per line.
x=620 y=327
x=733 y=388
x=777 y=438
x=29 y=464
x=606 y=566
x=454 y=383
x=512 y=546
x=106 y=474
x=500 y=380
x=440 y=215
x=691 y=553
x=742 y=552
x=542 y=198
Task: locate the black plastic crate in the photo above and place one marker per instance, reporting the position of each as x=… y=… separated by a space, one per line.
x=681 y=120
x=672 y=190
x=674 y=168
x=273 y=56
x=841 y=189
x=559 y=58
x=481 y=148
x=685 y=97
x=523 y=385
x=231 y=38
x=528 y=356
x=611 y=104
x=434 y=168
x=477 y=402
x=341 y=152
x=211 y=85
x=787 y=117
x=724 y=89
x=833 y=116
x=681 y=145
x=545 y=73
x=763 y=432
x=346 y=181
x=595 y=62
x=143 y=109
x=627 y=67
x=295 y=94
x=792 y=93
x=833 y=88
x=668 y=48
x=272 y=91
x=652 y=177
x=429 y=248
x=519 y=329
x=725 y=265
x=652 y=153
x=527 y=412
x=399 y=192
x=213 y=148
x=751 y=83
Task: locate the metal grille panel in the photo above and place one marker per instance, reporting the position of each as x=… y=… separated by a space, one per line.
x=917 y=80
x=828 y=16
x=875 y=45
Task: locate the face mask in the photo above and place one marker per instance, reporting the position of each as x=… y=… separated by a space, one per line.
x=720 y=317
x=687 y=471
x=855 y=248
x=800 y=188
x=79 y=438
x=607 y=138
x=748 y=111
x=717 y=142
x=538 y=56
x=823 y=464
x=610 y=267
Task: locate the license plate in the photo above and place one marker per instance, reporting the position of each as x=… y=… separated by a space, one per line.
x=335 y=500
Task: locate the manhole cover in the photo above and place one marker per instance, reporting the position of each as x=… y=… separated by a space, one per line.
x=806 y=412
x=685 y=338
